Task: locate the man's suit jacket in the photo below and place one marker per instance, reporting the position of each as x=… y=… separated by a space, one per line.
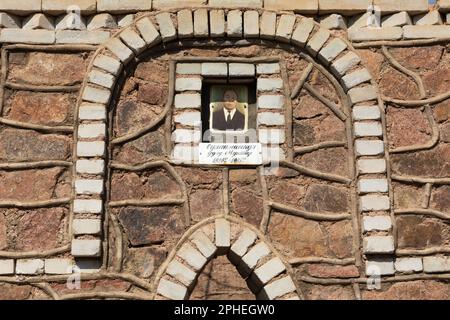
x=220 y=122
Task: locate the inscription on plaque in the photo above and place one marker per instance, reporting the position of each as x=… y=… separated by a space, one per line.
x=230 y=153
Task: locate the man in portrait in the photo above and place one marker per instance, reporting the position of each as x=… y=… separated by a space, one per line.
x=229 y=117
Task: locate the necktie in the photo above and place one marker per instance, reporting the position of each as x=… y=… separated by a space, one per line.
x=229 y=117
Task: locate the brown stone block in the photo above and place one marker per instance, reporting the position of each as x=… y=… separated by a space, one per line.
x=395 y=84
x=14 y=292
x=154 y=71
x=247 y=204
x=442 y=111
x=413 y=290
x=373 y=60
x=419 y=58
x=331 y=160
x=39 y=68
x=143 y=262
x=24 y=145
x=198 y=176
x=152 y=93
x=287 y=193
x=132 y=115
x=332 y=271
x=419 y=232
x=407 y=196
x=330 y=292
x=321 y=198
x=437 y=81
x=145 y=148
x=440 y=199
x=205 y=203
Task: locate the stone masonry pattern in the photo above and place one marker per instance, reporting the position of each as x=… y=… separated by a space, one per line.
x=100 y=107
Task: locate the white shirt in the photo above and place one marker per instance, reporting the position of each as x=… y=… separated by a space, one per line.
x=226 y=112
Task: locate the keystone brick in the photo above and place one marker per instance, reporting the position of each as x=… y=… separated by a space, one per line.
x=251 y=24
x=86 y=248
x=166 y=26
x=201 y=23
x=223 y=235
x=268 y=25
x=217 y=23
x=234 y=23
x=285 y=27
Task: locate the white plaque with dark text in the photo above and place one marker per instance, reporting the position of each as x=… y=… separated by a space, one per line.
x=230 y=153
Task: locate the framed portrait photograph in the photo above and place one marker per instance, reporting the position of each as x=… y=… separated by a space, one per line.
x=228 y=109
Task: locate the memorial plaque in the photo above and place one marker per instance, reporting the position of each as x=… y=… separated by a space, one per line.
x=230 y=153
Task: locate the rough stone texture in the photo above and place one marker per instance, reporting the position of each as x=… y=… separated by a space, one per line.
x=414 y=290
x=420 y=232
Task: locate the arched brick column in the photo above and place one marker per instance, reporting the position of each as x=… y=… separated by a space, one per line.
x=158 y=29
x=244 y=246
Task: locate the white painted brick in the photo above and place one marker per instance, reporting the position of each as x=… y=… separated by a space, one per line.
x=333 y=21
x=271 y=84
x=272 y=268
x=273 y=154
x=185 y=154
x=377 y=223
x=91 y=111
x=235 y=3
x=82 y=37
x=204 y=244
x=88 y=186
x=268 y=24
x=29 y=266
x=234 y=23
x=201 y=23
x=91 y=130
x=271 y=119
x=182 y=273
x=375 y=34
x=120 y=6
x=188 y=100
x=217 y=23
x=120 y=50
x=27 y=36
x=373 y=185
x=332 y=50
x=189 y=118
x=368 y=129
x=87 y=206
x=96 y=95
x=277 y=289
x=186 y=136
x=252 y=257
x=268 y=68
x=214 y=69
x=375 y=203
x=436 y=264
x=58 y=266
x=271 y=136
x=271 y=101
x=38 y=21
x=148 y=32
x=241 y=70
x=302 y=32
x=107 y=63
x=428 y=19
x=20 y=7
x=251 y=24
x=6 y=267
x=192 y=256
x=396 y=20
x=125 y=20
x=317 y=41
x=101 y=78
x=285 y=27
x=408 y=264
x=9 y=21
x=102 y=21
x=86 y=248
x=133 y=40
x=90 y=148
x=371 y=165
x=166 y=26
x=340 y=66
x=355 y=78
x=91 y=166
x=380 y=267
x=189 y=68
x=363 y=94
x=369 y=147
x=186 y=84
x=172 y=290
x=241 y=245
x=87 y=226
x=223 y=235
x=379 y=244
x=366 y=113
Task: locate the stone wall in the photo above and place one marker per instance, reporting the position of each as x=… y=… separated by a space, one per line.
x=92 y=187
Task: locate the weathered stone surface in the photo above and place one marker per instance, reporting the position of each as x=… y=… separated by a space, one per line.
x=440 y=199
x=39 y=68
x=418 y=57
x=414 y=290
x=333 y=160
x=27 y=36
x=22 y=145
x=330 y=292
x=436 y=81
x=131 y=115
x=320 y=198
x=407 y=127
x=442 y=111
x=419 y=232
x=248 y=205
x=430 y=163
x=14 y=292
x=330 y=271
x=205 y=203
x=15 y=185
x=144 y=262
x=154 y=225
x=118 y=6
x=152 y=93
x=397 y=85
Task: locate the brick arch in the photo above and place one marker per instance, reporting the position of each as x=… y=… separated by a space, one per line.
x=268 y=275
x=158 y=29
